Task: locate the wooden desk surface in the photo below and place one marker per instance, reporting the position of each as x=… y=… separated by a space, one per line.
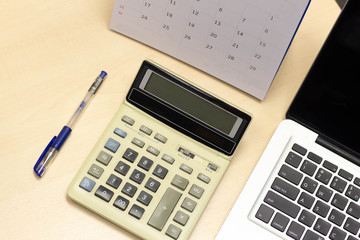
x=50 y=52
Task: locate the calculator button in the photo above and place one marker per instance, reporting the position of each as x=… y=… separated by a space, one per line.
x=186 y=168
x=122 y=168
x=129 y=189
x=121 y=203
x=145 y=163
x=181 y=218
x=95 y=171
x=130 y=155
x=137 y=176
x=203 y=178
x=104 y=193
x=152 y=184
x=153 y=150
x=112 y=145
x=188 y=204
x=144 y=198
x=160 y=171
x=212 y=166
x=173 y=231
x=186 y=152
x=171 y=160
x=164 y=209
x=138 y=142
x=160 y=137
x=196 y=191
x=87 y=184
x=136 y=211
x=128 y=120
x=104 y=158
x=120 y=133
x=145 y=130
x=114 y=181
x=180 y=182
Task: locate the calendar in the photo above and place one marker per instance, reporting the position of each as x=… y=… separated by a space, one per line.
x=241 y=42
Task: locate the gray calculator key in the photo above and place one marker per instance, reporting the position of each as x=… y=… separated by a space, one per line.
x=164 y=209
x=170 y=159
x=128 y=120
x=104 y=158
x=95 y=171
x=120 y=132
x=181 y=218
x=196 y=191
x=188 y=204
x=153 y=150
x=87 y=184
x=104 y=193
x=203 y=178
x=138 y=142
x=180 y=182
x=173 y=231
x=160 y=137
x=186 y=168
x=112 y=145
x=130 y=155
x=145 y=130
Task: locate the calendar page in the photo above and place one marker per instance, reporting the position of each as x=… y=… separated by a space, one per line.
x=241 y=42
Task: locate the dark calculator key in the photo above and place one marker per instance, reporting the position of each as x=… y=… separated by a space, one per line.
x=121 y=203
x=324 y=193
x=345 y=174
x=336 y=217
x=137 y=176
x=312 y=156
x=114 y=181
x=130 y=155
x=322 y=226
x=122 y=168
x=307 y=218
x=264 y=213
x=323 y=176
x=306 y=200
x=145 y=163
x=295 y=230
x=280 y=222
x=353 y=193
x=321 y=208
x=104 y=193
x=352 y=226
x=299 y=149
x=152 y=184
x=160 y=171
x=354 y=210
x=144 y=198
x=339 y=201
x=309 y=185
x=330 y=166
x=129 y=189
x=293 y=159
x=337 y=234
x=285 y=188
x=338 y=184
x=136 y=211
x=310 y=235
x=308 y=167
x=282 y=204
x=290 y=174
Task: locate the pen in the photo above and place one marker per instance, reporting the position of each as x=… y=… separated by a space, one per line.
x=55 y=144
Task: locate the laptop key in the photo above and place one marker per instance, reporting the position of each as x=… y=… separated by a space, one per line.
x=290 y=174
x=310 y=235
x=339 y=201
x=322 y=226
x=293 y=159
x=330 y=166
x=264 y=213
x=336 y=217
x=337 y=234
x=345 y=174
x=308 y=167
x=295 y=230
x=353 y=193
x=354 y=210
x=285 y=188
x=323 y=176
x=352 y=226
x=282 y=204
x=299 y=149
x=307 y=218
x=338 y=184
x=280 y=222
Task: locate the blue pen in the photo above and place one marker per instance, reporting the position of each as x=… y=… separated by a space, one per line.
x=55 y=144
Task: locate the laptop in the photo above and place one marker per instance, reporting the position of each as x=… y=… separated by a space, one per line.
x=306 y=184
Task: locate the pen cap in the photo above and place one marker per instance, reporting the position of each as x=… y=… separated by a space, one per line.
x=95 y=86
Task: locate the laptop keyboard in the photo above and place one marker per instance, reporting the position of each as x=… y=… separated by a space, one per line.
x=312 y=198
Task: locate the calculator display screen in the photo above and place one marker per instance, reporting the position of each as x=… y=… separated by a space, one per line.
x=191 y=104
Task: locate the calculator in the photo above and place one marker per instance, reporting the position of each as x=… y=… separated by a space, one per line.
x=159 y=160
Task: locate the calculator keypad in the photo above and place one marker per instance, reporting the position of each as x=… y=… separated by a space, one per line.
x=134 y=168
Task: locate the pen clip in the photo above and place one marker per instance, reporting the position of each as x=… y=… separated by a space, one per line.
x=36 y=170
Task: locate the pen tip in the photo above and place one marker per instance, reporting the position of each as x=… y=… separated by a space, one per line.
x=103 y=74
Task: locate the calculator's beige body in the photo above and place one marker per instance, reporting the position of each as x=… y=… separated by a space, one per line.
x=199 y=164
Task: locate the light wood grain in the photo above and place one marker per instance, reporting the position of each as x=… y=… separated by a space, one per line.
x=50 y=52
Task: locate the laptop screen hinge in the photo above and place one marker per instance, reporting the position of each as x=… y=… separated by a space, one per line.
x=332 y=146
